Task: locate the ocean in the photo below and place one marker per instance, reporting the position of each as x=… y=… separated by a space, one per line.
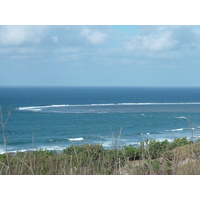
x=54 y=118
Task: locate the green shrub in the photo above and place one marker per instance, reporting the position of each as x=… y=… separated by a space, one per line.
x=155 y=165
x=180 y=142
x=168 y=168
x=133 y=153
x=156 y=149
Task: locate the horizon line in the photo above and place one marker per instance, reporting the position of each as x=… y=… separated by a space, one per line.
x=48 y=86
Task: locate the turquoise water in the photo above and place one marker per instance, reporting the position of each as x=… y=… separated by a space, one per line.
x=56 y=117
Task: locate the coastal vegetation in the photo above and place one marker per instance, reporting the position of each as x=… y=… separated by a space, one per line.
x=150 y=158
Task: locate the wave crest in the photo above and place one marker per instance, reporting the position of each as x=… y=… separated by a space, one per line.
x=103 y=108
x=181 y=117
x=75 y=139
x=178 y=129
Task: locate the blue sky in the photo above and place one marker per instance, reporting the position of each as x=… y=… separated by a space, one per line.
x=126 y=55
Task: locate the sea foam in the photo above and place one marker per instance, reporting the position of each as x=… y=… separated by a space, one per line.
x=181 y=117
x=75 y=139
x=107 y=104
x=144 y=133
x=178 y=129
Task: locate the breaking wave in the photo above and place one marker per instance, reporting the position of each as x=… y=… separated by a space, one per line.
x=92 y=107
x=181 y=117
x=178 y=129
x=145 y=133
x=75 y=139
x=39 y=108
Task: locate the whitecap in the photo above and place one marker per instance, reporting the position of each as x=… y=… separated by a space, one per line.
x=178 y=129
x=15 y=151
x=53 y=148
x=32 y=108
x=75 y=139
x=181 y=117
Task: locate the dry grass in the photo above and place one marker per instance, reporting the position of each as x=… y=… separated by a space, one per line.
x=185 y=161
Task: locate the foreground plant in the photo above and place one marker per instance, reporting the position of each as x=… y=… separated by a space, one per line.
x=152 y=157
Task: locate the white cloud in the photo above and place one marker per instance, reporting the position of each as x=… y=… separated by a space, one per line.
x=152 y=44
x=152 y=41
x=94 y=36
x=163 y=38
x=158 y=42
x=49 y=35
x=16 y=35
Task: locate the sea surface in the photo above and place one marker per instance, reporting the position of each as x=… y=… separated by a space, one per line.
x=54 y=118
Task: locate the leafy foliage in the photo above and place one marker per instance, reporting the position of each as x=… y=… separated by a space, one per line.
x=180 y=142
x=94 y=159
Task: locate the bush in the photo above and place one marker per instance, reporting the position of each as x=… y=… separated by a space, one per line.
x=133 y=153
x=155 y=165
x=168 y=168
x=85 y=151
x=156 y=149
x=180 y=142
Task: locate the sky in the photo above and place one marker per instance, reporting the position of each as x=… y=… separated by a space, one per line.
x=99 y=55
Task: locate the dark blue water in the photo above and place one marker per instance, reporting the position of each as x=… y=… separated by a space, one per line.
x=57 y=117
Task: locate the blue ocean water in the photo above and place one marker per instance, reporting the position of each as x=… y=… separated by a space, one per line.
x=54 y=118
